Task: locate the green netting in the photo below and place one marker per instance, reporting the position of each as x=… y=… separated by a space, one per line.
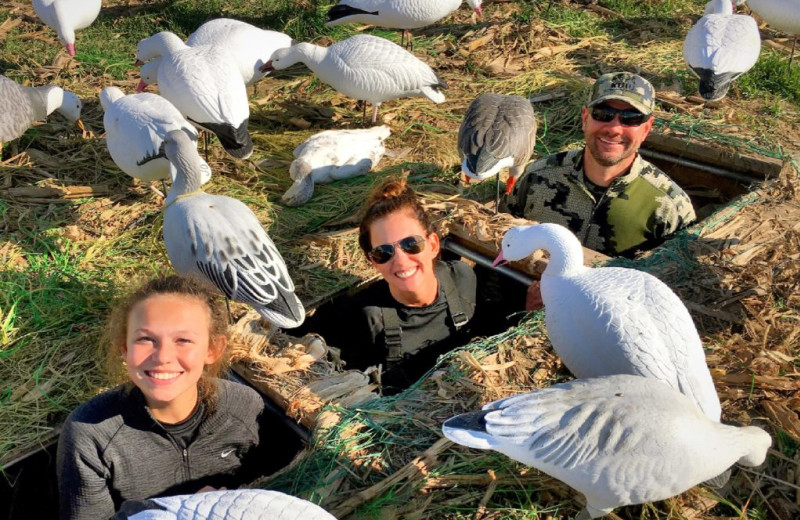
x=708 y=131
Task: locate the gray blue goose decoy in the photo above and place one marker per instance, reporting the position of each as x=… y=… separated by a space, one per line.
x=220 y=240
x=498 y=131
x=237 y=504
x=619 y=439
x=21 y=106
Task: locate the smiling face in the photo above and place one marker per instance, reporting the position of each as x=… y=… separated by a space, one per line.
x=613 y=144
x=167 y=347
x=411 y=277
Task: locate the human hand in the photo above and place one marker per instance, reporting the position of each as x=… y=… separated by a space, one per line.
x=206 y=489
x=533 y=298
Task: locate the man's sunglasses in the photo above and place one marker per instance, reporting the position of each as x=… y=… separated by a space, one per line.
x=383 y=253
x=627 y=116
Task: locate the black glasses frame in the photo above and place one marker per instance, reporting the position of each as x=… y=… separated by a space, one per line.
x=627 y=116
x=412 y=245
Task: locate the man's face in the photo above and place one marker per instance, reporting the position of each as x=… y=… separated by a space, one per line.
x=613 y=143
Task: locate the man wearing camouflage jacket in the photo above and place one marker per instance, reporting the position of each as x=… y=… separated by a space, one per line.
x=611 y=198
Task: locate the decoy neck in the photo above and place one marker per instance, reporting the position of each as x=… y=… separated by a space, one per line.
x=108 y=95
x=159 y=44
x=181 y=152
x=757 y=442
x=304 y=52
x=719 y=7
x=566 y=252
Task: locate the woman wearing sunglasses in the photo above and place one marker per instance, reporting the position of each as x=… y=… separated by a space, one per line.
x=611 y=198
x=422 y=306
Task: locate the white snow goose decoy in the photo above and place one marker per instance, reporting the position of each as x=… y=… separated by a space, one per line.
x=21 y=106
x=205 y=85
x=720 y=47
x=67 y=16
x=135 y=128
x=364 y=67
x=613 y=320
x=332 y=155
x=218 y=239
x=396 y=14
x=498 y=131
x=619 y=439
x=237 y=504
x=783 y=15
x=246 y=43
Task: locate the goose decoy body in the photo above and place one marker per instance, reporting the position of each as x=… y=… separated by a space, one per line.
x=720 y=47
x=396 y=14
x=332 y=155
x=783 y=15
x=364 y=67
x=21 y=106
x=67 y=16
x=219 y=240
x=498 y=131
x=235 y=504
x=135 y=129
x=205 y=85
x=246 y=43
x=618 y=439
x=614 y=320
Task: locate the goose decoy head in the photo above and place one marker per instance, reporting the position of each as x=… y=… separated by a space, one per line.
x=476 y=6
x=514 y=246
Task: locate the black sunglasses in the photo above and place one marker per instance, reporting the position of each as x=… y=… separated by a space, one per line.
x=384 y=252
x=627 y=116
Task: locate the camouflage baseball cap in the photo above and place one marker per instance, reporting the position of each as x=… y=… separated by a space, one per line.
x=624 y=86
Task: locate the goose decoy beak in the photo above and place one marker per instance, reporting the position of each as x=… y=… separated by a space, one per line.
x=510 y=185
x=267 y=67
x=142 y=86
x=500 y=260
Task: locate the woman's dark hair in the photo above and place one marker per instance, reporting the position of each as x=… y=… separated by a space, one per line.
x=391 y=196
x=116 y=332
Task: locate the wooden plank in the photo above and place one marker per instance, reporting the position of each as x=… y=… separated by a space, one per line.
x=758 y=167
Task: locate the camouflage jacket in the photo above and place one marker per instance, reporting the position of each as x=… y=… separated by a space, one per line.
x=637 y=211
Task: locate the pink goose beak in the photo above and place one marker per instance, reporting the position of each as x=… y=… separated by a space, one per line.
x=71 y=49
x=479 y=11
x=499 y=260
x=142 y=86
x=267 y=67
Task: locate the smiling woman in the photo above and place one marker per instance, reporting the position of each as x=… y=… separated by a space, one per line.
x=173 y=428
x=421 y=308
